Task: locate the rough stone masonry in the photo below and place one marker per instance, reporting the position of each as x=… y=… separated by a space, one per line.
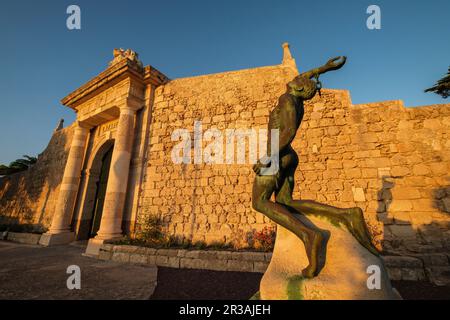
x=390 y=160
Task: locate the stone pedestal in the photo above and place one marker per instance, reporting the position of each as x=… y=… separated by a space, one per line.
x=93 y=247
x=53 y=239
x=347 y=266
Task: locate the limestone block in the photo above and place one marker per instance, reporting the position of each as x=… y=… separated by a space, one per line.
x=254 y=256
x=400 y=205
x=260 y=266
x=139 y=258
x=413 y=274
x=395 y=273
x=343 y=276
x=167 y=252
x=51 y=239
x=240 y=266
x=27 y=238
x=188 y=263
x=215 y=264
x=439 y=275
x=402 y=262
x=104 y=255
x=421 y=169
x=121 y=257
x=358 y=194
x=224 y=255
x=399 y=171
x=435 y=259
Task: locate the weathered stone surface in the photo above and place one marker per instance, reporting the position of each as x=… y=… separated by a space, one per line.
x=121 y=257
x=218 y=265
x=126 y=249
x=194 y=259
x=412 y=274
x=139 y=258
x=343 y=277
x=194 y=263
x=260 y=267
x=105 y=255
x=439 y=275
x=402 y=262
x=241 y=266
x=27 y=238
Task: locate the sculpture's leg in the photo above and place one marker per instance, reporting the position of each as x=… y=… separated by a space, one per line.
x=352 y=218
x=263 y=188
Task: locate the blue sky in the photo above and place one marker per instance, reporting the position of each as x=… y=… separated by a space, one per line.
x=41 y=60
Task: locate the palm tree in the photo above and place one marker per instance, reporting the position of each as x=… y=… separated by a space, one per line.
x=442 y=87
x=17 y=165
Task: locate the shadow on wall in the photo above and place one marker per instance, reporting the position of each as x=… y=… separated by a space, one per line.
x=385 y=195
x=24 y=196
x=400 y=235
x=442 y=199
x=423 y=247
x=13 y=225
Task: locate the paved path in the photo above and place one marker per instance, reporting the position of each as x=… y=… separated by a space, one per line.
x=35 y=272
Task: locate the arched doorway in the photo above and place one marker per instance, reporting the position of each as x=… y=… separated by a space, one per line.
x=92 y=189
x=100 y=193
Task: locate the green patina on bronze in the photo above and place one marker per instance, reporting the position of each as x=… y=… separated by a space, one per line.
x=256 y=296
x=294 y=291
x=286 y=117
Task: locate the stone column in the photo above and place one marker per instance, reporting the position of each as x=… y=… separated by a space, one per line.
x=111 y=223
x=60 y=232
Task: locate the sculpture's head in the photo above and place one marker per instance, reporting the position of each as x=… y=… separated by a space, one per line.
x=302 y=87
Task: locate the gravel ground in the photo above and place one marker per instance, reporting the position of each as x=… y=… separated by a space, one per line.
x=35 y=272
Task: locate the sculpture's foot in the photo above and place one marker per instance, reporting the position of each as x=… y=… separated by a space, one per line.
x=357 y=226
x=313 y=246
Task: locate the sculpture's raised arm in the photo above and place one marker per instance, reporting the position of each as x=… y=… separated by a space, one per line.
x=332 y=64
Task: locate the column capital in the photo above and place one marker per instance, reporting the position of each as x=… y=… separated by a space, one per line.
x=131 y=103
x=127 y=111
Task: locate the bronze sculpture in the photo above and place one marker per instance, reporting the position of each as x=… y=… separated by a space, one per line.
x=287 y=117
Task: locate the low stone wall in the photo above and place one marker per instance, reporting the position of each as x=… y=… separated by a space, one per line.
x=399 y=267
x=188 y=259
x=22 y=237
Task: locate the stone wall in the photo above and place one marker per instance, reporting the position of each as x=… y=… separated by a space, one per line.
x=203 y=202
x=389 y=160
x=29 y=197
